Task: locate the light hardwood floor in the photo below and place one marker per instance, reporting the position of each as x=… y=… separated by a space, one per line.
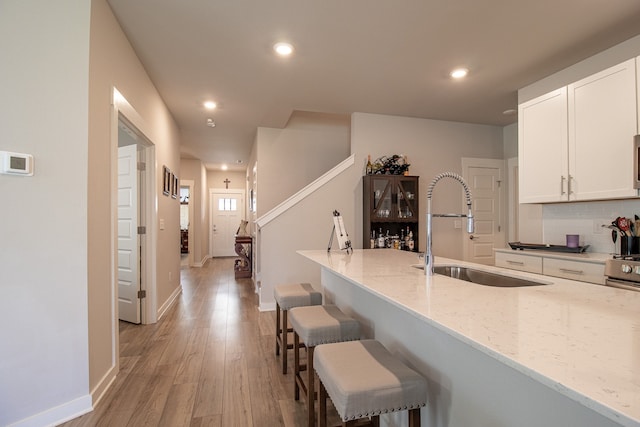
x=210 y=361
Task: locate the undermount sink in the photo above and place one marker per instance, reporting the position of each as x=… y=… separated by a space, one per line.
x=483 y=277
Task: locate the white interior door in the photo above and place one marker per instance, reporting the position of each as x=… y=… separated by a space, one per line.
x=128 y=244
x=227 y=208
x=485 y=180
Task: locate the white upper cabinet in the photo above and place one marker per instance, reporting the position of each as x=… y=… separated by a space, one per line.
x=576 y=143
x=542 y=148
x=602 y=123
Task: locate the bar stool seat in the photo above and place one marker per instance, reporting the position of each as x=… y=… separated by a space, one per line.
x=315 y=325
x=364 y=380
x=287 y=297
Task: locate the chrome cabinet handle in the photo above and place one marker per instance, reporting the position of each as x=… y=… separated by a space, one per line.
x=562 y=179
x=566 y=270
x=569 y=184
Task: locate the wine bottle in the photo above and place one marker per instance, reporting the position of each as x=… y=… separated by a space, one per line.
x=411 y=243
x=380 y=239
x=369 y=170
x=373 y=239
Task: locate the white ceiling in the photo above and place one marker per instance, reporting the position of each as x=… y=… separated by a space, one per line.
x=378 y=56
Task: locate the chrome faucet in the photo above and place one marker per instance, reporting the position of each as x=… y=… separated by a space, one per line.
x=428 y=256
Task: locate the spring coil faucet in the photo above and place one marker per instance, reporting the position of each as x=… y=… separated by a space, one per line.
x=428 y=256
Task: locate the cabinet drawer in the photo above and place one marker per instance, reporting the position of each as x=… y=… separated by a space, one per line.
x=531 y=264
x=574 y=270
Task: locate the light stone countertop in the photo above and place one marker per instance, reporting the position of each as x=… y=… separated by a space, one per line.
x=582 y=340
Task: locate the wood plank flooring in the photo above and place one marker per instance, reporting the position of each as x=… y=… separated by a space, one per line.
x=209 y=362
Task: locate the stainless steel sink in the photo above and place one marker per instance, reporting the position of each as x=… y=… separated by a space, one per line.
x=483 y=277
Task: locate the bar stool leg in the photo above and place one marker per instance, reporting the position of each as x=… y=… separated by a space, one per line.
x=311 y=389
x=278 y=329
x=322 y=405
x=296 y=365
x=285 y=339
x=414 y=417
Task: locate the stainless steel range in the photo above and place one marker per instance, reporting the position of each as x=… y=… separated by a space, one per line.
x=623 y=272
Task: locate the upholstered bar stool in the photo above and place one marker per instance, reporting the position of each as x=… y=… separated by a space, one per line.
x=364 y=380
x=288 y=297
x=315 y=325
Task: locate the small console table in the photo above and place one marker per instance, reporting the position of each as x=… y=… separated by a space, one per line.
x=244 y=249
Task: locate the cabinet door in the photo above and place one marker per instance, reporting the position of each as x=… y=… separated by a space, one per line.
x=382 y=198
x=542 y=148
x=407 y=193
x=602 y=124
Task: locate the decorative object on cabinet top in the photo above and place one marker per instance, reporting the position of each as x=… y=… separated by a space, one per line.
x=389 y=165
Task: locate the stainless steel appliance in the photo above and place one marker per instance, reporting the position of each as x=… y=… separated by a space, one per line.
x=623 y=272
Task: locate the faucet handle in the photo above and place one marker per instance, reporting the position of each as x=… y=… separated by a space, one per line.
x=470 y=223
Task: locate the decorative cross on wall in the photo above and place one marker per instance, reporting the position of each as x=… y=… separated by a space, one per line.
x=226 y=182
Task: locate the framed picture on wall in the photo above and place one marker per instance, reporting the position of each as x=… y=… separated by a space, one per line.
x=174 y=186
x=166 y=181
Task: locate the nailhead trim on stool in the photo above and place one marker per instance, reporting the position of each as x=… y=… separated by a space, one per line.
x=288 y=297
x=315 y=325
x=364 y=380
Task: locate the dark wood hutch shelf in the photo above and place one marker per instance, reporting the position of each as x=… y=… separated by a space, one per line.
x=390 y=202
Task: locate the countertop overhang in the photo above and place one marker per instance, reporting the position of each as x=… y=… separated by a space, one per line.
x=580 y=339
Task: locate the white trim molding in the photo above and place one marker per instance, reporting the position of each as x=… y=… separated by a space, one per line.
x=306 y=191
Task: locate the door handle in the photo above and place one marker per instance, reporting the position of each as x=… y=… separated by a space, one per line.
x=471 y=237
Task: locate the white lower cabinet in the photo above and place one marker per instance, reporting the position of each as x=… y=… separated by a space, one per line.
x=528 y=263
x=592 y=272
x=574 y=270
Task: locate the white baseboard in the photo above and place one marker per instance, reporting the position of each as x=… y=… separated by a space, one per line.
x=103 y=385
x=267 y=307
x=201 y=263
x=59 y=414
x=169 y=302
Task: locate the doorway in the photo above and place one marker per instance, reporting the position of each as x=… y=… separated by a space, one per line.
x=485 y=178
x=131 y=221
x=226 y=210
x=186 y=223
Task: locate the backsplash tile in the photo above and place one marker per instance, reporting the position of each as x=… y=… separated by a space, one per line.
x=581 y=218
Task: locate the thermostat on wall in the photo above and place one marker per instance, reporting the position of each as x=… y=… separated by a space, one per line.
x=16 y=163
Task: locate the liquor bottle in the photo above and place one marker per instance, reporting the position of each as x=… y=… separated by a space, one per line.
x=373 y=239
x=369 y=169
x=402 y=242
x=387 y=240
x=411 y=243
x=380 y=239
x=406 y=239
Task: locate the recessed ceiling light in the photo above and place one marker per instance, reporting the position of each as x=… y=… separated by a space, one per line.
x=283 y=49
x=210 y=105
x=224 y=167
x=459 y=73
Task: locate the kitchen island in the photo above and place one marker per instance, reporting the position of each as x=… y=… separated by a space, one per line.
x=564 y=353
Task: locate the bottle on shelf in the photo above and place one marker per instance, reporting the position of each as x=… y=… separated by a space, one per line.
x=380 y=239
x=387 y=240
x=369 y=169
x=402 y=241
x=373 y=239
x=406 y=239
x=411 y=243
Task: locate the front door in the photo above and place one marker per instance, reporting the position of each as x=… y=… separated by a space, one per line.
x=128 y=244
x=227 y=208
x=484 y=177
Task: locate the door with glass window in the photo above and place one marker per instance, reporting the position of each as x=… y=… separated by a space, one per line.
x=226 y=212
